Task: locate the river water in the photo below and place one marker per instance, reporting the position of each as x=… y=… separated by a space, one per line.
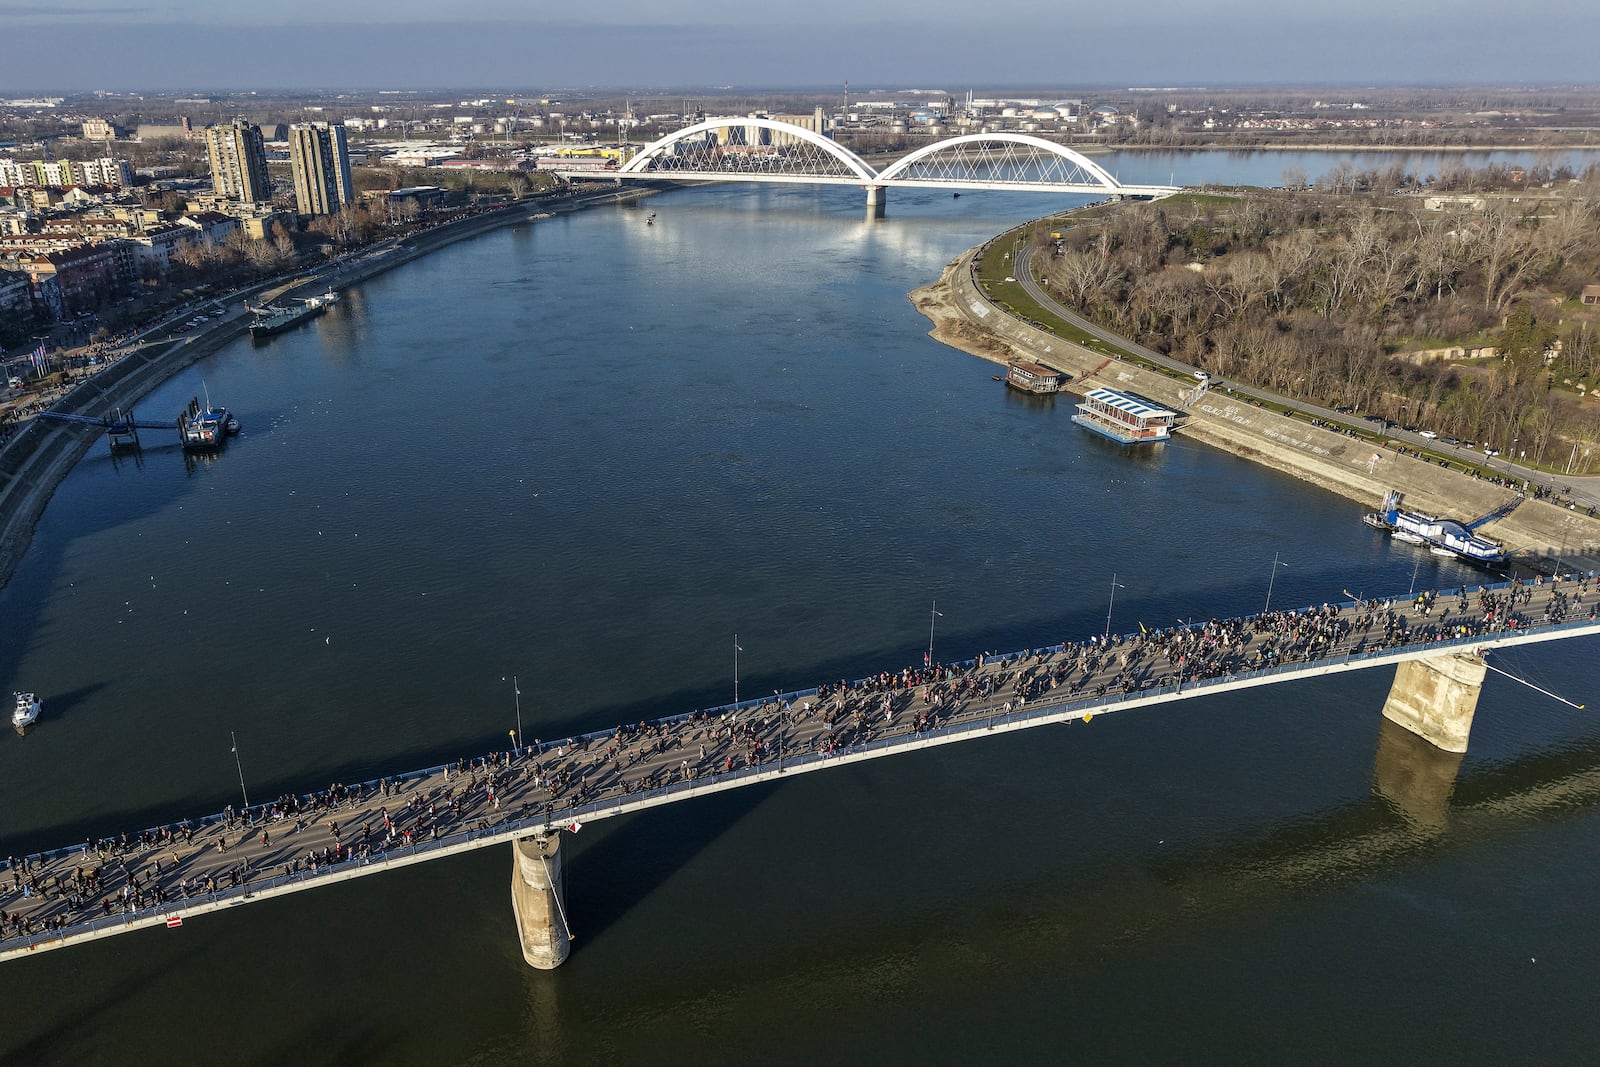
x=586 y=452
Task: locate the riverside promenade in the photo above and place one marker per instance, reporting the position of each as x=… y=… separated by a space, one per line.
x=116 y=881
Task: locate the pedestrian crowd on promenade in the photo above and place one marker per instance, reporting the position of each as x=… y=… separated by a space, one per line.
x=165 y=866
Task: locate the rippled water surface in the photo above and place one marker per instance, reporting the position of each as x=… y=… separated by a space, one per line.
x=588 y=452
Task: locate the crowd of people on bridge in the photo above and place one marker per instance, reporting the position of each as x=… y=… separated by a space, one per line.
x=551 y=783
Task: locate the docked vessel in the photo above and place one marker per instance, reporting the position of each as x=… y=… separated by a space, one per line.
x=1444 y=537
x=1034 y=378
x=273 y=319
x=1124 y=417
x=26 y=712
x=205 y=428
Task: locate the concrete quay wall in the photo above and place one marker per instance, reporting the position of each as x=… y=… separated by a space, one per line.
x=965 y=318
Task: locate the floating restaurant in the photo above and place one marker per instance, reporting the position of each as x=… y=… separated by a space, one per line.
x=1124 y=418
x=1034 y=378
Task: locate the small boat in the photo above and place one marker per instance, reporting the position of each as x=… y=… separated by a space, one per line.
x=1440 y=550
x=1409 y=538
x=205 y=428
x=1376 y=521
x=27 y=711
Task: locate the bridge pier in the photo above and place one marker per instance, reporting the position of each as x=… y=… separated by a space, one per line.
x=538 y=900
x=877 y=197
x=1435 y=698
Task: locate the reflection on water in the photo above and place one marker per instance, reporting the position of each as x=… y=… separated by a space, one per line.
x=586 y=452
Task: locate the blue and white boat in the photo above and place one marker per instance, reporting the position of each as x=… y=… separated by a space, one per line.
x=1124 y=417
x=26 y=712
x=1441 y=535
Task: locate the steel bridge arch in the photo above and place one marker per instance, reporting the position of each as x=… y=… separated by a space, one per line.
x=1078 y=159
x=639 y=164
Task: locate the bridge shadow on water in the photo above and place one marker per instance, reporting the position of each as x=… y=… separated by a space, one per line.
x=638 y=854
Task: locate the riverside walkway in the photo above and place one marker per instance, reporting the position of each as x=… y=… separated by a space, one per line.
x=161 y=875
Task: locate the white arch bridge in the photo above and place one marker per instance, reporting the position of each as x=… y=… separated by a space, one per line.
x=766 y=150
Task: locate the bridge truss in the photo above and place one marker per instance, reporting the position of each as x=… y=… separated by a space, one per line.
x=765 y=150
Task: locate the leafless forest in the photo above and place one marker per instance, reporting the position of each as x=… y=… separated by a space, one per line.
x=1358 y=299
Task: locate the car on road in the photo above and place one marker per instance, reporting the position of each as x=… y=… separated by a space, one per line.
x=1201 y=376
x=1491 y=451
x=1429 y=434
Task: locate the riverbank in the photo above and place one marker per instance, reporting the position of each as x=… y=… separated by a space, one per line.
x=1407 y=149
x=39 y=455
x=1542 y=533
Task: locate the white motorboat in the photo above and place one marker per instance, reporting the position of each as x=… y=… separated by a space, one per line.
x=27 y=711
x=1408 y=537
x=1440 y=550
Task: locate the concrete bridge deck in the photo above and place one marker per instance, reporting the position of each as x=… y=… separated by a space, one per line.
x=104 y=887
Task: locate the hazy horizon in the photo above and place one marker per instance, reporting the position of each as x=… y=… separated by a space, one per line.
x=359 y=44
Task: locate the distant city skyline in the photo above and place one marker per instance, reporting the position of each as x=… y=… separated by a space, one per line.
x=109 y=44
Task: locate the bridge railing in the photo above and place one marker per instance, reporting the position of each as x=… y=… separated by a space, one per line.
x=542 y=748
x=550 y=816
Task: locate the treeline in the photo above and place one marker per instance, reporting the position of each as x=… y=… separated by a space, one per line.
x=1321 y=298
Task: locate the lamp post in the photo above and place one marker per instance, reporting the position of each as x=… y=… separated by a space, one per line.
x=516 y=693
x=240 y=767
x=736 y=651
x=1276 y=563
x=1110 y=603
x=927 y=660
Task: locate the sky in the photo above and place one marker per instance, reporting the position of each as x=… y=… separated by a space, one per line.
x=76 y=45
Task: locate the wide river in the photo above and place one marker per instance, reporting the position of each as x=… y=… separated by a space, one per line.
x=586 y=452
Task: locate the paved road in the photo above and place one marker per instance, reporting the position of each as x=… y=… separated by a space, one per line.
x=1586 y=491
x=105 y=884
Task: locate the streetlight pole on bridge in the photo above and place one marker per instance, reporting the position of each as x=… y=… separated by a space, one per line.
x=1276 y=563
x=240 y=766
x=516 y=692
x=1110 y=603
x=927 y=660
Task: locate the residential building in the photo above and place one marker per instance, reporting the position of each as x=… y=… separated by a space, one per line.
x=16 y=299
x=211 y=226
x=239 y=162
x=74 y=280
x=64 y=173
x=99 y=130
x=320 y=159
x=154 y=248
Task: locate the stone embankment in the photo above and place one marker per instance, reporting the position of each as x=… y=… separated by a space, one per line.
x=35 y=460
x=1537 y=530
